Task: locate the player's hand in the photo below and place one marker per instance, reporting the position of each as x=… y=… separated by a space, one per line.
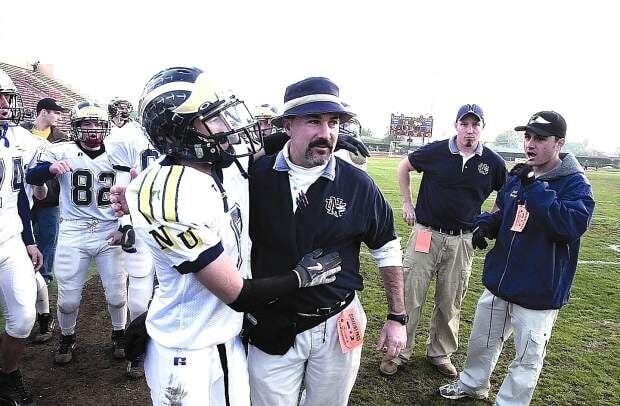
x=35 y=256
x=117 y=197
x=524 y=172
x=392 y=340
x=317 y=269
x=60 y=167
x=39 y=191
x=479 y=235
x=114 y=238
x=352 y=144
x=128 y=240
x=136 y=338
x=409 y=213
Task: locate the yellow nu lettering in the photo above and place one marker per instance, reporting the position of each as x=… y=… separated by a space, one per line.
x=167 y=240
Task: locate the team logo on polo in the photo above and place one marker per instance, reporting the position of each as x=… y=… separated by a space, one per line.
x=335 y=206
x=483 y=168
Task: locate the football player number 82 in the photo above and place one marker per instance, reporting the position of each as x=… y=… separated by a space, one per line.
x=82 y=187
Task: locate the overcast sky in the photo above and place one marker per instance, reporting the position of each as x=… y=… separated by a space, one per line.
x=413 y=57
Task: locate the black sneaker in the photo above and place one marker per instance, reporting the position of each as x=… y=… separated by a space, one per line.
x=13 y=391
x=64 y=354
x=46 y=328
x=118 y=344
x=135 y=369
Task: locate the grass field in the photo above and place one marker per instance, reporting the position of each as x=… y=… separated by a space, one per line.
x=582 y=366
x=583 y=359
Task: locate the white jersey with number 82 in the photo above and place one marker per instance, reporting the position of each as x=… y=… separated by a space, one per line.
x=85 y=190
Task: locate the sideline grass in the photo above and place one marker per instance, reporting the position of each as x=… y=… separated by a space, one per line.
x=582 y=366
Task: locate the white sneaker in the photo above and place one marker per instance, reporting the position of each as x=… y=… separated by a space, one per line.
x=454 y=392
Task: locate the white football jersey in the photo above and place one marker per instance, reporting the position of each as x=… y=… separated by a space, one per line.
x=29 y=147
x=128 y=146
x=85 y=190
x=11 y=179
x=237 y=188
x=180 y=213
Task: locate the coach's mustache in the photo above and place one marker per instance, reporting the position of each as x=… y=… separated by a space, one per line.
x=321 y=143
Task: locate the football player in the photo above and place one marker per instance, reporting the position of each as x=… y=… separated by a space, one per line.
x=17 y=276
x=28 y=146
x=263 y=115
x=127 y=147
x=353 y=129
x=88 y=227
x=190 y=207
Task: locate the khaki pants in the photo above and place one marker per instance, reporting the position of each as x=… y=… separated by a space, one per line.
x=449 y=260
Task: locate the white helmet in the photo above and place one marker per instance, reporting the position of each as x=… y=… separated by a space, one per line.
x=14 y=110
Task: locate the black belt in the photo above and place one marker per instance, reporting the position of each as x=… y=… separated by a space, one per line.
x=448 y=231
x=330 y=310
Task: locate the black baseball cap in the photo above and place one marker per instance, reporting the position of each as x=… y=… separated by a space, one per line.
x=546 y=124
x=50 y=104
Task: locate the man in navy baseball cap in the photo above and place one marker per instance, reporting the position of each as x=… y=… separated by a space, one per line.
x=472 y=109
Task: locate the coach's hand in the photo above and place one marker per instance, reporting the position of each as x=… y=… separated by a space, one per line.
x=352 y=144
x=316 y=269
x=392 y=340
x=136 y=338
x=60 y=167
x=35 y=256
x=409 y=213
x=479 y=235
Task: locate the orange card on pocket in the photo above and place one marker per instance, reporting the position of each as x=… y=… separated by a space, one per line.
x=520 y=219
x=350 y=333
x=423 y=241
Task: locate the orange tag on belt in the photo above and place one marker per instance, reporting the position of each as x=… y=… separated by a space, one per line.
x=350 y=332
x=520 y=219
x=423 y=241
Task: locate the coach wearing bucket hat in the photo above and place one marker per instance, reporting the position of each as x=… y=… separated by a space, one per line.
x=304 y=199
x=544 y=209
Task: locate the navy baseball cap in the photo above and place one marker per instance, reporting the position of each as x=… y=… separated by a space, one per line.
x=470 y=109
x=315 y=95
x=546 y=124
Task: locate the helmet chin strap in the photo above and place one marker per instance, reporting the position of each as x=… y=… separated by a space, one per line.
x=3 y=130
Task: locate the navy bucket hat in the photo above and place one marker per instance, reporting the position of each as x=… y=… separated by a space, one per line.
x=315 y=95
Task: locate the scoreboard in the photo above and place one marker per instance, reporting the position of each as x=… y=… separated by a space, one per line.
x=403 y=127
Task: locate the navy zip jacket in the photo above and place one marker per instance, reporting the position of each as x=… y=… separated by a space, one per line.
x=338 y=215
x=535 y=268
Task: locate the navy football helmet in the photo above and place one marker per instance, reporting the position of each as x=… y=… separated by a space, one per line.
x=175 y=98
x=120 y=111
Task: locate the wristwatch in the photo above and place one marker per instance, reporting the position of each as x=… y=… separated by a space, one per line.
x=401 y=318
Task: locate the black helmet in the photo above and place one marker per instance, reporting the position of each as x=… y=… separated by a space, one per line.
x=171 y=102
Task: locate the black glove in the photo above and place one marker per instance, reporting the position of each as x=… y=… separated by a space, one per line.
x=524 y=172
x=128 y=240
x=136 y=338
x=352 y=144
x=273 y=143
x=478 y=238
x=316 y=269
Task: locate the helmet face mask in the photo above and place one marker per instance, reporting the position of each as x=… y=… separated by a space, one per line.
x=13 y=111
x=120 y=111
x=185 y=117
x=89 y=124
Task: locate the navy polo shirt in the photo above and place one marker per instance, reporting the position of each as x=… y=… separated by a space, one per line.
x=450 y=194
x=342 y=209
